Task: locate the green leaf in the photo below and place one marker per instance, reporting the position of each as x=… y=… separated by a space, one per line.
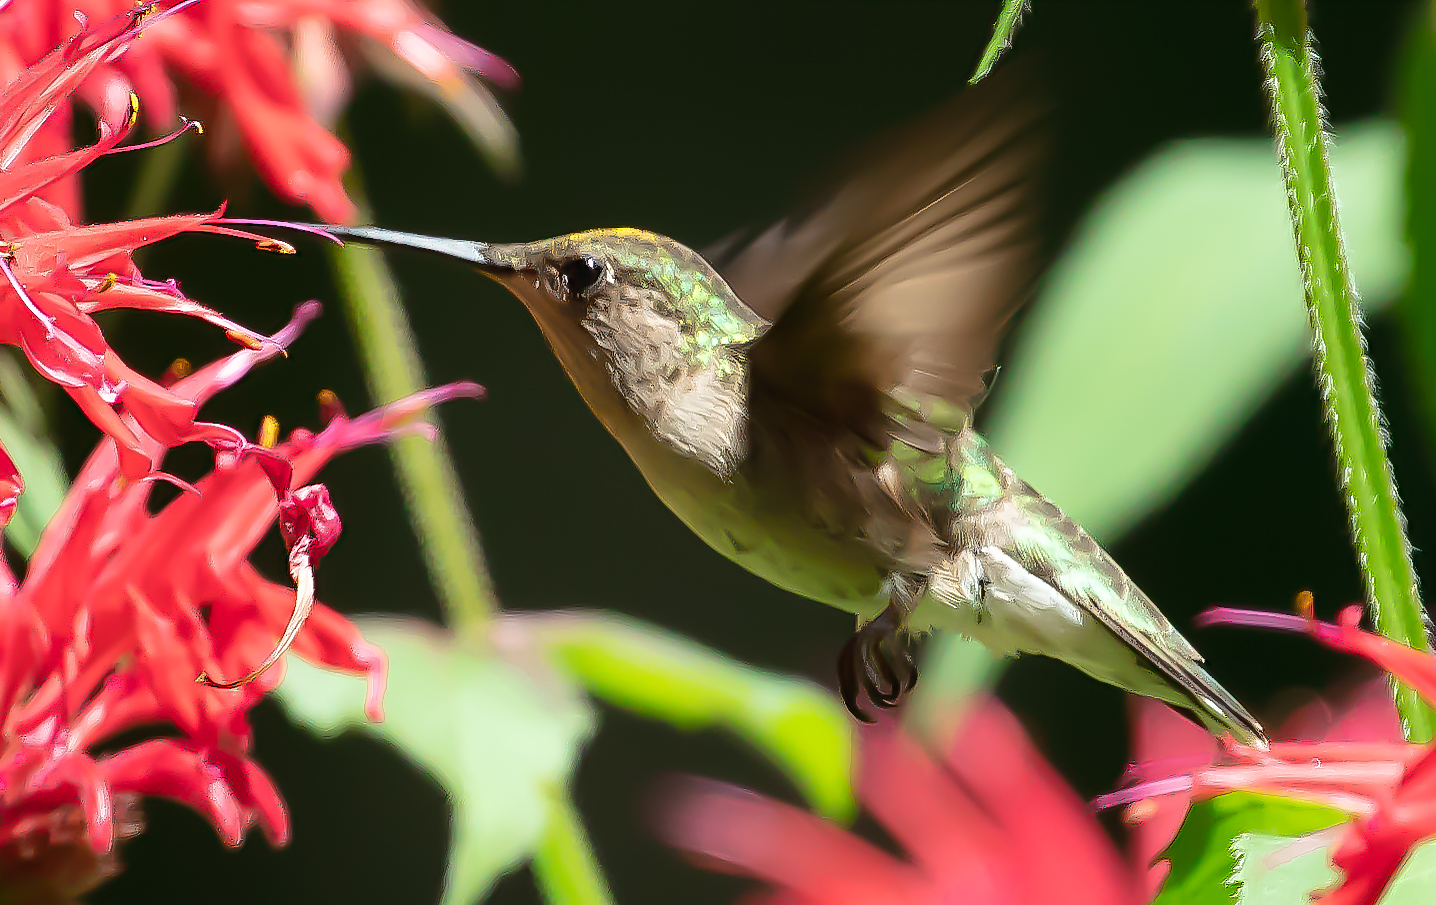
x=501 y=739
x=642 y=668
x=1269 y=875
x=1175 y=312
x=40 y=468
x=23 y=434
x=1204 y=857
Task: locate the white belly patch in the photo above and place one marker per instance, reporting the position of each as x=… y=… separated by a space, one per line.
x=987 y=595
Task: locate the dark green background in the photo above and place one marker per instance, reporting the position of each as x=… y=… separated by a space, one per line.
x=694 y=121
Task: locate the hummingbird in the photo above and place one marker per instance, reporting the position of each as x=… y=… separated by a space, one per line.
x=803 y=401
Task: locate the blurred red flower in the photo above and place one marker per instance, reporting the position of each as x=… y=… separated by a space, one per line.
x=121 y=608
x=275 y=71
x=1357 y=763
x=993 y=823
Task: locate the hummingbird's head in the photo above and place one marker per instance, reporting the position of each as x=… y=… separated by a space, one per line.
x=649 y=318
x=643 y=303
x=641 y=323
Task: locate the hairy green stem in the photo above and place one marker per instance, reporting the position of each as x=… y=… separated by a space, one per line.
x=1007 y=22
x=565 y=866
x=1344 y=376
x=392 y=369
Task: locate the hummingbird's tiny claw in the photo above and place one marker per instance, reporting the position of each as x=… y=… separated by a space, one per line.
x=848 y=685
x=867 y=666
x=884 y=686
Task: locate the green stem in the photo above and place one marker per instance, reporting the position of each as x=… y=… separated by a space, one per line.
x=159 y=170
x=1344 y=375
x=564 y=866
x=1002 y=32
x=392 y=369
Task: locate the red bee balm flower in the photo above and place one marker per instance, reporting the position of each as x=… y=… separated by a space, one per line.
x=121 y=608
x=276 y=71
x=54 y=274
x=993 y=824
x=1361 y=768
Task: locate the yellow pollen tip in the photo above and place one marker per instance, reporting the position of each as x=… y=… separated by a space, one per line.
x=268 y=432
x=275 y=245
x=327 y=397
x=198 y=126
x=108 y=282
x=134 y=110
x=1305 y=605
x=1139 y=812
x=249 y=342
x=180 y=368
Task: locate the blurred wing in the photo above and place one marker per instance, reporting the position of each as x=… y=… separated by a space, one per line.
x=889 y=296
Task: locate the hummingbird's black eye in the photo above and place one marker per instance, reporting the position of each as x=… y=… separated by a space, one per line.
x=581 y=274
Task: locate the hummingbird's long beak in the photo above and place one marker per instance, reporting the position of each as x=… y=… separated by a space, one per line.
x=493 y=260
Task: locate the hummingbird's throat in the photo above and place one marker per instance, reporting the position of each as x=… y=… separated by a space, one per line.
x=700 y=417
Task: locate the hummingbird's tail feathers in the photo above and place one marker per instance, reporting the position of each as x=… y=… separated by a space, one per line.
x=1218 y=711
x=1174 y=661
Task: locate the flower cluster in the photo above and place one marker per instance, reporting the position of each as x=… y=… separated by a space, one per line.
x=1361 y=766
x=275 y=72
x=122 y=607
x=55 y=275
x=993 y=823
x=124 y=603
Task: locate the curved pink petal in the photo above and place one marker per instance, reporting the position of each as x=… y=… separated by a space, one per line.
x=781 y=844
x=166 y=768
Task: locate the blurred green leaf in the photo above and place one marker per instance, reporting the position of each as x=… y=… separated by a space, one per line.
x=1267 y=873
x=1174 y=313
x=501 y=739
x=655 y=673
x=1270 y=875
x=1204 y=855
x=1417 y=308
x=23 y=434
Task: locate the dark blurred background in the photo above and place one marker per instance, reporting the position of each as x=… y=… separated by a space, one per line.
x=695 y=120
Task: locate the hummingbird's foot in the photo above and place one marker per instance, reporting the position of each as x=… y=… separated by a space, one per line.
x=877 y=662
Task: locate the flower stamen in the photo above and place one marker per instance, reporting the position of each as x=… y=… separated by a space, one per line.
x=190 y=125
x=301 y=569
x=268 y=436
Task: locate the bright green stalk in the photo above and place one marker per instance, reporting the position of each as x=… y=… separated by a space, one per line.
x=432 y=492
x=1344 y=375
x=1002 y=32
x=564 y=866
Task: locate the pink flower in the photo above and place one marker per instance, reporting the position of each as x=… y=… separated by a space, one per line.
x=993 y=823
x=275 y=71
x=122 y=607
x=1360 y=765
